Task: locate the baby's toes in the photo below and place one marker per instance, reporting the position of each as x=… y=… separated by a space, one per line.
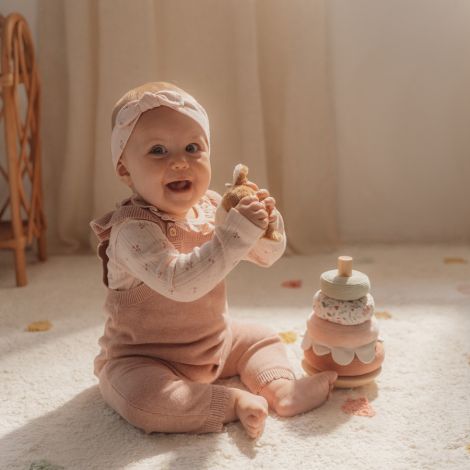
x=330 y=375
x=254 y=420
x=253 y=432
x=255 y=427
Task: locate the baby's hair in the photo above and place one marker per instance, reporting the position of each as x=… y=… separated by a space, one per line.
x=137 y=93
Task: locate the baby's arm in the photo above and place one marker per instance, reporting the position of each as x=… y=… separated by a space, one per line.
x=144 y=251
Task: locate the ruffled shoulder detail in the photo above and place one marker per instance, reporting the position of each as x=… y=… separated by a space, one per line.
x=214 y=197
x=205 y=207
x=137 y=200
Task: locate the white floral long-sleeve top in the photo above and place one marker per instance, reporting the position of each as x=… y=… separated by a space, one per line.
x=139 y=251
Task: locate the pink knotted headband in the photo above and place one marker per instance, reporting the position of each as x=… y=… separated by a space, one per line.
x=129 y=114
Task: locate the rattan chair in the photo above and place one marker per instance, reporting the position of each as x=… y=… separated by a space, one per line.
x=21 y=215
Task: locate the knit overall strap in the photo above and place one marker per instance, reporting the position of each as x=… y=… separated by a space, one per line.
x=102 y=228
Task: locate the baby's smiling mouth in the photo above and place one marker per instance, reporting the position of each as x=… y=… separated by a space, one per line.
x=180 y=186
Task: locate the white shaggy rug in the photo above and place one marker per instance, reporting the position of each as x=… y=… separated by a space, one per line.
x=52 y=415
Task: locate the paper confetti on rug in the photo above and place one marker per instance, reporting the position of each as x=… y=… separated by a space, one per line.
x=288 y=337
x=41 y=325
x=455 y=260
x=358 y=406
x=292 y=284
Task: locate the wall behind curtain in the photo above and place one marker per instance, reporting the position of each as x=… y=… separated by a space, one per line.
x=401 y=88
x=258 y=67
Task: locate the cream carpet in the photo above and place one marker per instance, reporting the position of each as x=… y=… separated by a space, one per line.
x=52 y=415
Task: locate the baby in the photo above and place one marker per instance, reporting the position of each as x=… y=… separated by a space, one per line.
x=166 y=251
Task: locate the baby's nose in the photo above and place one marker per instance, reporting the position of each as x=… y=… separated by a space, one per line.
x=179 y=164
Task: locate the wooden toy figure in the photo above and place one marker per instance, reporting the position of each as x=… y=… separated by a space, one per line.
x=342 y=331
x=238 y=190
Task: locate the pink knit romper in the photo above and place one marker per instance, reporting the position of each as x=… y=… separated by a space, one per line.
x=159 y=357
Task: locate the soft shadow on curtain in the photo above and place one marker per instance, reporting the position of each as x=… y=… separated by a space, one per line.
x=260 y=68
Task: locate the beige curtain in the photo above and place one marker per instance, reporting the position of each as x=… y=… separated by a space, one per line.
x=260 y=68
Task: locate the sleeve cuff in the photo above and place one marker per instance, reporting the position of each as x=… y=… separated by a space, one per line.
x=237 y=222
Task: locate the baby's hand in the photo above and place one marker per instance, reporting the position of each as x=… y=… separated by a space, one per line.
x=263 y=195
x=254 y=210
x=269 y=202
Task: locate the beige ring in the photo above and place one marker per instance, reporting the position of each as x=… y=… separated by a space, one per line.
x=344 y=288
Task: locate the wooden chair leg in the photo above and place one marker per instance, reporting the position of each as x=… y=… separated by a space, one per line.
x=20 y=267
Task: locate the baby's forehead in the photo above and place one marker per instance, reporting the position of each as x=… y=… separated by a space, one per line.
x=164 y=122
x=167 y=120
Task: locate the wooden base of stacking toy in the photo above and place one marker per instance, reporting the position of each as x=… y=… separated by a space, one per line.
x=344 y=381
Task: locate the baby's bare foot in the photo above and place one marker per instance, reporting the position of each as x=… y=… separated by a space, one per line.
x=251 y=411
x=291 y=397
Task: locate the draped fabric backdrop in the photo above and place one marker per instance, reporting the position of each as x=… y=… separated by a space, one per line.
x=258 y=67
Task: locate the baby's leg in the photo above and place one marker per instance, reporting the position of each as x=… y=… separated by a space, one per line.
x=152 y=397
x=260 y=358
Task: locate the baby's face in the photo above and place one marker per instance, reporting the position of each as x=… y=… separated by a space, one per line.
x=167 y=160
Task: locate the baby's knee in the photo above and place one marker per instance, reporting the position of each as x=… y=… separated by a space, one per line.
x=157 y=412
x=252 y=333
x=170 y=406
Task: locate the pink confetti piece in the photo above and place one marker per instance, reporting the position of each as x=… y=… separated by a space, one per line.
x=292 y=283
x=359 y=407
x=464 y=289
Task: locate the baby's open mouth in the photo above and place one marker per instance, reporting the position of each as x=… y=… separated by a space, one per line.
x=179 y=186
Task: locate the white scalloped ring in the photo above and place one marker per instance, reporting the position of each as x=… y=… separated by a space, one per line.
x=356 y=367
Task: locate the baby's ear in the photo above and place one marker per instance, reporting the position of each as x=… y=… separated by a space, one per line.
x=123 y=173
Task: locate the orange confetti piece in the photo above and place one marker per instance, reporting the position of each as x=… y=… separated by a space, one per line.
x=288 y=337
x=464 y=289
x=455 y=260
x=359 y=407
x=467 y=447
x=385 y=315
x=42 y=325
x=292 y=283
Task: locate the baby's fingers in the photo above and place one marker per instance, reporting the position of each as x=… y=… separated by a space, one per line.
x=247 y=200
x=261 y=214
x=252 y=185
x=270 y=203
x=262 y=194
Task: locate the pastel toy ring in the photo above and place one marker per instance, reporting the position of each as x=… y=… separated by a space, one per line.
x=341 y=336
x=351 y=287
x=343 y=312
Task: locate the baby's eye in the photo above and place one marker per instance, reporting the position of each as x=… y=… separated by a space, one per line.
x=158 y=150
x=192 y=148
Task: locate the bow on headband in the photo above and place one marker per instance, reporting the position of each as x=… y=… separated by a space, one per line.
x=129 y=114
x=132 y=110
